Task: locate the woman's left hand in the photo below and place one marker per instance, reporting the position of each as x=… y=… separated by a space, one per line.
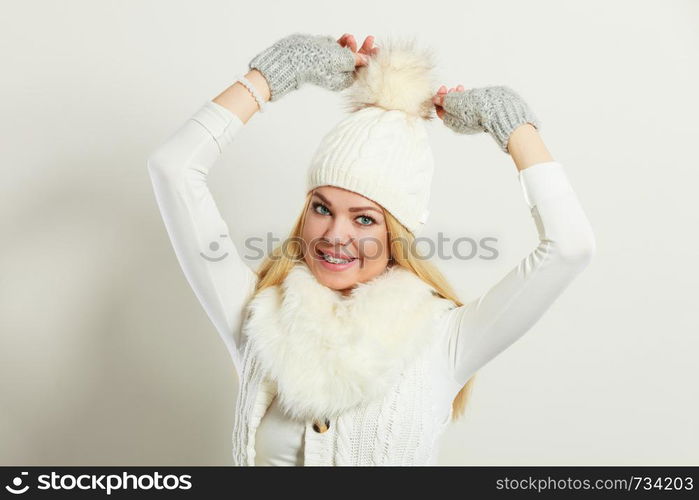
x=438 y=98
x=498 y=110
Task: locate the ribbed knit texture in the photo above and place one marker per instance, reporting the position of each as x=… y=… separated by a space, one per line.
x=384 y=156
x=498 y=110
x=400 y=428
x=302 y=58
x=254 y=397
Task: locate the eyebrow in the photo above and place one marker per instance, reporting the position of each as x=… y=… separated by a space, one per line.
x=353 y=209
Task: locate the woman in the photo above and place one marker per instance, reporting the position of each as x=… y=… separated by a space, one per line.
x=351 y=349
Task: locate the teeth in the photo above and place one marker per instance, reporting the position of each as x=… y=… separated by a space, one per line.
x=334 y=260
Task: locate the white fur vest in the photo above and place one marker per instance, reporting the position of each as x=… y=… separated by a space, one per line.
x=333 y=358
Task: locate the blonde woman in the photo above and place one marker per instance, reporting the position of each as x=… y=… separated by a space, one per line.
x=351 y=348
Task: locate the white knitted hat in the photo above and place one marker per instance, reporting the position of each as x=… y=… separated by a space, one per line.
x=381 y=150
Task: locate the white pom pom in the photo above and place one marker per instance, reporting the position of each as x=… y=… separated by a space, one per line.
x=398 y=77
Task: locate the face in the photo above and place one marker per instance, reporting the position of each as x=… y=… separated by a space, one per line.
x=346 y=238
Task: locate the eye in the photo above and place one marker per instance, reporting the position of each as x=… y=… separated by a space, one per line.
x=366 y=218
x=317 y=205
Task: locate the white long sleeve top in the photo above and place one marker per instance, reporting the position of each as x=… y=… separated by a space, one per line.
x=472 y=334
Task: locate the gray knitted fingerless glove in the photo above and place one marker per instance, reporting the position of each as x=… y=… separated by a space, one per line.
x=497 y=110
x=300 y=58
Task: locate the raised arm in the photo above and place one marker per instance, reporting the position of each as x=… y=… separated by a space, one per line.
x=178 y=169
x=478 y=331
x=483 y=328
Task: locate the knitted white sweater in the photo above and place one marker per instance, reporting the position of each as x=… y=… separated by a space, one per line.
x=403 y=428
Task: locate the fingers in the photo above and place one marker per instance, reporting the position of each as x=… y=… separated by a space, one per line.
x=360 y=59
x=352 y=43
x=438 y=99
x=367 y=49
x=367 y=45
x=347 y=40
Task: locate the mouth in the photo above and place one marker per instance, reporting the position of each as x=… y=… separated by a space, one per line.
x=335 y=261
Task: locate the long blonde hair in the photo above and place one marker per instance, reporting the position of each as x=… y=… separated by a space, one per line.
x=282 y=259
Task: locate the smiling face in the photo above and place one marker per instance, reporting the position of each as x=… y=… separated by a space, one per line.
x=346 y=238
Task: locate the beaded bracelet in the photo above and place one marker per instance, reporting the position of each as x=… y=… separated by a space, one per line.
x=260 y=102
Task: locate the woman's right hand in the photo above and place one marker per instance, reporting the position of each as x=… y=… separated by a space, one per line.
x=318 y=59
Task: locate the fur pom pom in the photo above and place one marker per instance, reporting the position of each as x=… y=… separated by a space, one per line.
x=398 y=77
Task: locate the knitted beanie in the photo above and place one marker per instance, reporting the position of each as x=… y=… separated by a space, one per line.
x=381 y=149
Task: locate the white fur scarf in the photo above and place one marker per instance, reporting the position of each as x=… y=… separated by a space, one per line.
x=327 y=352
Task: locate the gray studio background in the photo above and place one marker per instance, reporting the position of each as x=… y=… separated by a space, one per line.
x=106 y=357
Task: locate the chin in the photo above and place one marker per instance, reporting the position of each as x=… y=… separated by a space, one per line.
x=336 y=280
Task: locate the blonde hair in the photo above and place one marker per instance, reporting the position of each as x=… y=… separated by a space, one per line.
x=284 y=257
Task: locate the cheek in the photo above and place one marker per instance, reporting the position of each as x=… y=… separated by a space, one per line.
x=374 y=246
x=312 y=229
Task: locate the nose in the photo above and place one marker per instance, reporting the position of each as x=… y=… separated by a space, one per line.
x=339 y=232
